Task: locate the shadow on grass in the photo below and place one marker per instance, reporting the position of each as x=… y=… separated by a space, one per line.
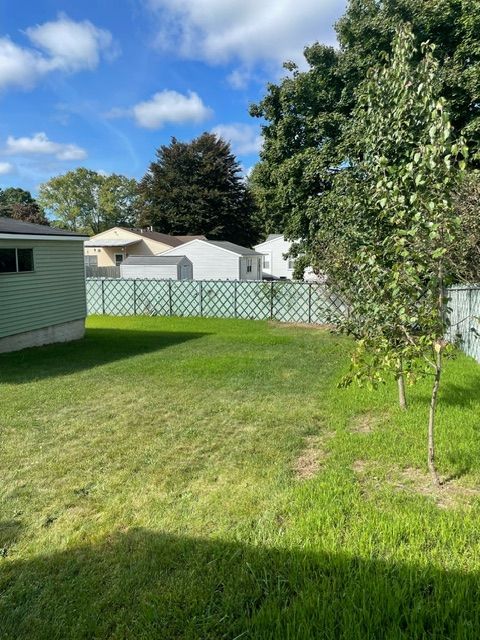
x=100 y=346
x=464 y=394
x=10 y=531
x=142 y=584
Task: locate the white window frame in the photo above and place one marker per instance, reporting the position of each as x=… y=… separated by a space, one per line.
x=249 y=265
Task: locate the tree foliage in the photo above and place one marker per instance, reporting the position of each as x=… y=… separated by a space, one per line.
x=19 y=204
x=466 y=256
x=389 y=230
x=300 y=151
x=84 y=200
x=306 y=112
x=197 y=188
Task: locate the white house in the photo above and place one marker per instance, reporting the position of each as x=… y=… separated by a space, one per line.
x=157 y=267
x=273 y=250
x=274 y=262
x=220 y=260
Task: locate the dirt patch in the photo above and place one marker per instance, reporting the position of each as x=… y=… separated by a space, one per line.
x=302 y=325
x=366 y=422
x=448 y=495
x=310 y=460
x=414 y=482
x=360 y=466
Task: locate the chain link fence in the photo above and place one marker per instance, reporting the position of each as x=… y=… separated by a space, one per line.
x=284 y=301
x=464 y=305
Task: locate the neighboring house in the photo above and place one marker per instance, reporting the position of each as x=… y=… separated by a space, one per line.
x=275 y=264
x=220 y=260
x=42 y=285
x=157 y=267
x=111 y=247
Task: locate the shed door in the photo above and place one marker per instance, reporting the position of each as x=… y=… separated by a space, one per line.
x=185 y=272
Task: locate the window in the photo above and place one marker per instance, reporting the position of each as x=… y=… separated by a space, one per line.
x=91 y=261
x=291 y=263
x=249 y=265
x=16 y=260
x=266 y=261
x=118 y=259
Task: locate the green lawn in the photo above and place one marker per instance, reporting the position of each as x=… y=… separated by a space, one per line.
x=193 y=478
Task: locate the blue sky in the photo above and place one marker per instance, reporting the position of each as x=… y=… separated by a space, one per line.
x=103 y=83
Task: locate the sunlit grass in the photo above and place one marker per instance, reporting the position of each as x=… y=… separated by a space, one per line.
x=151 y=488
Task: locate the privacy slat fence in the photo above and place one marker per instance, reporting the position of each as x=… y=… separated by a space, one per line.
x=102 y=272
x=280 y=300
x=464 y=304
x=284 y=301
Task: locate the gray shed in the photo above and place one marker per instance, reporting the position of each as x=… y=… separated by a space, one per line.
x=157 y=267
x=42 y=285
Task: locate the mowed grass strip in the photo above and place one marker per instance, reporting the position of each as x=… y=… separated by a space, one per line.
x=205 y=478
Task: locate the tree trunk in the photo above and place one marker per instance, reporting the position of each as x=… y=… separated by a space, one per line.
x=431 y=418
x=402 y=398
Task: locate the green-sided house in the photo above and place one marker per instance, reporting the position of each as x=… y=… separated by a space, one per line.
x=42 y=285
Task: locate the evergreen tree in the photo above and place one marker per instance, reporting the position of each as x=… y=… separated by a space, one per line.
x=197 y=188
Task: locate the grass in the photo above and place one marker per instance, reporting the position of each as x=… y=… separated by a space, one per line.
x=206 y=479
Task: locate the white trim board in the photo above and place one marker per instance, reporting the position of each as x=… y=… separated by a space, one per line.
x=32 y=236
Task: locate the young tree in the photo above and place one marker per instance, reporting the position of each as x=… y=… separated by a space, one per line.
x=84 y=200
x=19 y=204
x=400 y=231
x=197 y=188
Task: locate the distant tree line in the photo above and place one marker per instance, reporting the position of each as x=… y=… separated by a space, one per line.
x=19 y=204
x=192 y=187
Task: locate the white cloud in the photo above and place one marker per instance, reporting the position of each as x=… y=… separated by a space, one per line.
x=6 y=168
x=39 y=144
x=19 y=67
x=248 y=30
x=71 y=45
x=239 y=78
x=244 y=138
x=61 y=45
x=166 y=107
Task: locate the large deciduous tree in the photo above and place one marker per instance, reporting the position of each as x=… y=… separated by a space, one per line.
x=85 y=200
x=467 y=252
x=306 y=112
x=19 y=204
x=197 y=188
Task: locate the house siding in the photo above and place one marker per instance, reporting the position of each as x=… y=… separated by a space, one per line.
x=276 y=249
x=52 y=294
x=160 y=272
x=210 y=262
